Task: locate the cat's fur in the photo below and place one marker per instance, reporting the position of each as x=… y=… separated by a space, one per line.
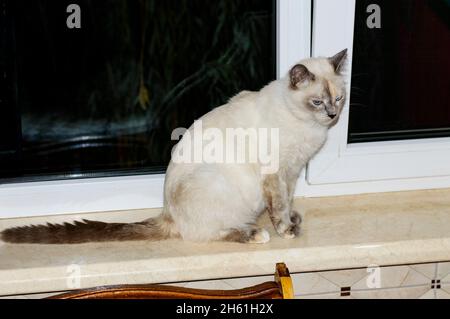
x=206 y=202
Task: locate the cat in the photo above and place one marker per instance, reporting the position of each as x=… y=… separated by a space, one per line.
x=222 y=202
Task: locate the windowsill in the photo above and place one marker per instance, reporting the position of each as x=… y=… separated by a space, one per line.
x=337 y=233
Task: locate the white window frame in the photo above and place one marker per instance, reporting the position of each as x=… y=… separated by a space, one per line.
x=146 y=191
x=342 y=168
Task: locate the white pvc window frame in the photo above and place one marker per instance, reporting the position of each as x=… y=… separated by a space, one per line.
x=342 y=168
x=146 y=191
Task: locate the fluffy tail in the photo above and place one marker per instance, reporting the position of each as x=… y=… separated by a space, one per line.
x=159 y=228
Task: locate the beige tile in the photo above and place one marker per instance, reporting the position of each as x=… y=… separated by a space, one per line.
x=443 y=294
x=443 y=272
x=445 y=288
x=428 y=270
x=394 y=293
x=320 y=296
x=430 y=294
x=312 y=283
x=396 y=276
x=239 y=283
x=32 y=296
x=345 y=278
x=209 y=284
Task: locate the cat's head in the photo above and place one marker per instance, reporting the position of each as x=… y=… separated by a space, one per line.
x=317 y=89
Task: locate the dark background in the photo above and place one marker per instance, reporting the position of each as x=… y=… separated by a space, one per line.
x=70 y=102
x=400 y=80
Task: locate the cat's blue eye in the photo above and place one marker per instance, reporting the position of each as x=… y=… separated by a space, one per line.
x=317 y=102
x=339 y=98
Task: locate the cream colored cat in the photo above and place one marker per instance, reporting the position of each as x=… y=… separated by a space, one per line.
x=223 y=201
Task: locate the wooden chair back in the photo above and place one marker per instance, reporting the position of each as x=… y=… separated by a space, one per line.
x=280 y=288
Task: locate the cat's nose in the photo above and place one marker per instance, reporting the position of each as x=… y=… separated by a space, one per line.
x=332 y=116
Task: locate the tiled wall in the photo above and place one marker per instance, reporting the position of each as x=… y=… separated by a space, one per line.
x=429 y=281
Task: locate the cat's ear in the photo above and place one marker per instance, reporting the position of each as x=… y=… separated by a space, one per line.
x=338 y=60
x=300 y=74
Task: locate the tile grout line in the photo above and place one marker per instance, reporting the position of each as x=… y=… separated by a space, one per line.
x=365 y=290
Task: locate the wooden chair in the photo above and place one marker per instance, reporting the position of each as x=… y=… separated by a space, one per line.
x=281 y=288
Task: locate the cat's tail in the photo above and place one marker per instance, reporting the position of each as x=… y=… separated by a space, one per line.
x=159 y=228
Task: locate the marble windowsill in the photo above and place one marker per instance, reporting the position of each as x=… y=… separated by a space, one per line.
x=338 y=233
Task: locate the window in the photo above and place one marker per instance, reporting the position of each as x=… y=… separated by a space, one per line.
x=102 y=100
x=390 y=137
x=393 y=133
x=87 y=113
x=400 y=87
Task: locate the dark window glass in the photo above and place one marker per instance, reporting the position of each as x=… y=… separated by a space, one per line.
x=104 y=99
x=400 y=80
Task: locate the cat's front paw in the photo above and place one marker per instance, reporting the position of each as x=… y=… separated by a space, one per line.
x=296 y=218
x=288 y=231
x=259 y=236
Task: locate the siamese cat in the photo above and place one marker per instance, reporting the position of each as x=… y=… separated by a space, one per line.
x=223 y=201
